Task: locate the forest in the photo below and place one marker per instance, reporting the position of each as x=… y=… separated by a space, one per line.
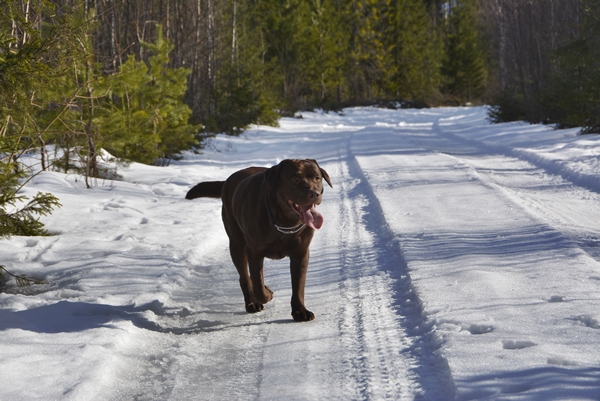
x=144 y=80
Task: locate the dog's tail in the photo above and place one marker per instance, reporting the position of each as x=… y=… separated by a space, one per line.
x=209 y=189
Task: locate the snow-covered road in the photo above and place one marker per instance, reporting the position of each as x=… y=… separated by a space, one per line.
x=458 y=260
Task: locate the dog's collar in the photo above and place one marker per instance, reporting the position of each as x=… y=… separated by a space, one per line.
x=283 y=230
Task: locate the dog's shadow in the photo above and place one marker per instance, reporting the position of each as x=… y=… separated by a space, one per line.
x=73 y=317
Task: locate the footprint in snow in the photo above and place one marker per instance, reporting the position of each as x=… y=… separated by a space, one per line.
x=593 y=322
x=562 y=362
x=517 y=344
x=112 y=205
x=477 y=329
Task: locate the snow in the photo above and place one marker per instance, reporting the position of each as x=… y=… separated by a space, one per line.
x=459 y=260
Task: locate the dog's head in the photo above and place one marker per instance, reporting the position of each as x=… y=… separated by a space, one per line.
x=299 y=184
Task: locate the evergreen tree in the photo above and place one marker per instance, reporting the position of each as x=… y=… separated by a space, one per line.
x=253 y=72
x=573 y=97
x=325 y=55
x=145 y=119
x=281 y=26
x=71 y=97
x=244 y=92
x=464 y=65
x=366 y=23
x=20 y=215
x=26 y=64
x=416 y=52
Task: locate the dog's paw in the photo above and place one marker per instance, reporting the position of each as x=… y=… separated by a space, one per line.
x=265 y=297
x=303 y=315
x=254 y=307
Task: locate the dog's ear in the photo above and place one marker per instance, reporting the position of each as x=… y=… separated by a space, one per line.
x=323 y=172
x=326 y=176
x=272 y=176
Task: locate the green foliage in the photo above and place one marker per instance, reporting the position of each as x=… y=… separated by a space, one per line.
x=26 y=63
x=18 y=215
x=572 y=98
x=416 y=50
x=67 y=103
x=23 y=68
x=366 y=52
x=246 y=89
x=507 y=106
x=22 y=281
x=280 y=26
x=25 y=220
x=145 y=118
x=325 y=53
x=239 y=106
x=324 y=42
x=464 y=64
x=548 y=67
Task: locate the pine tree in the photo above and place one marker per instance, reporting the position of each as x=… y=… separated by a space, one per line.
x=70 y=99
x=25 y=66
x=416 y=52
x=253 y=72
x=325 y=52
x=281 y=25
x=145 y=119
x=365 y=25
x=573 y=97
x=244 y=91
x=464 y=65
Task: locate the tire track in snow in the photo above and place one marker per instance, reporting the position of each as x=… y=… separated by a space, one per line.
x=478 y=256
x=534 y=174
x=370 y=339
x=450 y=128
x=367 y=313
x=397 y=349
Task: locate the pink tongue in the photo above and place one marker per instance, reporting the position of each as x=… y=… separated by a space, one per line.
x=311 y=217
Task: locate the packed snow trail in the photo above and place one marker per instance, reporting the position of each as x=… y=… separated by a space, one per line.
x=467 y=235
x=481 y=238
x=458 y=261
x=369 y=341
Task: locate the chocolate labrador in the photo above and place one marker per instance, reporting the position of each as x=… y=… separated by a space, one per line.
x=270 y=213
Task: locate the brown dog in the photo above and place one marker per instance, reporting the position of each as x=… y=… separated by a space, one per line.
x=270 y=213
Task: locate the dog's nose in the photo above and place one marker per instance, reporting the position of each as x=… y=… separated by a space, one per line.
x=313 y=195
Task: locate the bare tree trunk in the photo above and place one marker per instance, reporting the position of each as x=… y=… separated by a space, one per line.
x=211 y=55
x=168 y=21
x=502 y=43
x=91 y=162
x=26 y=20
x=113 y=38
x=43 y=154
x=233 y=34
x=195 y=76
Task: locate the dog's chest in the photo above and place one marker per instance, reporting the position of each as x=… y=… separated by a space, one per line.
x=283 y=247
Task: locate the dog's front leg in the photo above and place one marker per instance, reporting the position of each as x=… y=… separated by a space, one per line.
x=298 y=269
x=262 y=293
x=237 y=250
